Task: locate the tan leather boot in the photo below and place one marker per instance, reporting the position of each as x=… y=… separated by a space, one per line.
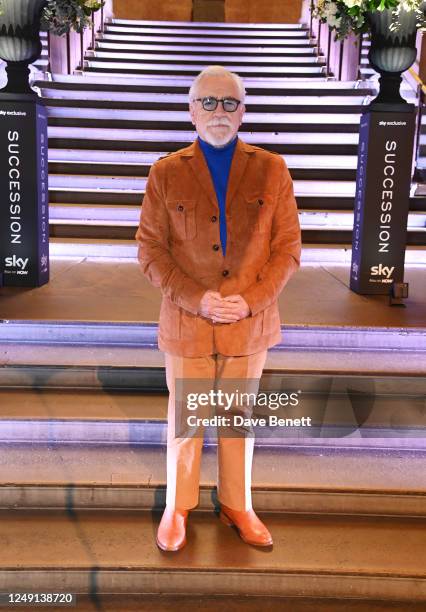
x=171 y=534
x=249 y=525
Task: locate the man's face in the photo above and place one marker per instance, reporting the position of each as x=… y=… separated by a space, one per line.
x=216 y=127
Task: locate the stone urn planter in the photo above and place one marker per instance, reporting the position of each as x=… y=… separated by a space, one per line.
x=391 y=52
x=20 y=40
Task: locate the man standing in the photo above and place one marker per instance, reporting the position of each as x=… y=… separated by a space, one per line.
x=219 y=235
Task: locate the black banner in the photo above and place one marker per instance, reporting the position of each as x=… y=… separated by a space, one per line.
x=382 y=200
x=24 y=210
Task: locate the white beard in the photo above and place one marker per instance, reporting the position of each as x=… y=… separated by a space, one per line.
x=216 y=139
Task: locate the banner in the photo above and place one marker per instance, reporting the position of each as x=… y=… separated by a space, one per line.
x=24 y=196
x=382 y=200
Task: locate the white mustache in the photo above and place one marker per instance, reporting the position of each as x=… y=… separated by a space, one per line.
x=215 y=124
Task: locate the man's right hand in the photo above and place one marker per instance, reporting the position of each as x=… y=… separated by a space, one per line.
x=209 y=301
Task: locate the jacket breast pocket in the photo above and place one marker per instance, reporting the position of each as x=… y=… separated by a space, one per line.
x=182 y=219
x=259 y=211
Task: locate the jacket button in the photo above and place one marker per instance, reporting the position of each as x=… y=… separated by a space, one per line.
x=214 y=218
x=260 y=202
x=225 y=272
x=215 y=247
x=180 y=207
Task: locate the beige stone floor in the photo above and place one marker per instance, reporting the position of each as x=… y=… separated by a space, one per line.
x=83 y=289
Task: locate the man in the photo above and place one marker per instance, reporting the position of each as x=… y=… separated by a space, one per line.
x=219 y=235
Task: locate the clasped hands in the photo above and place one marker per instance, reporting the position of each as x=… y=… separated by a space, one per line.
x=223 y=309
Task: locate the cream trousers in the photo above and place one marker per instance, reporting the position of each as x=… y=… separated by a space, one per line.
x=235 y=454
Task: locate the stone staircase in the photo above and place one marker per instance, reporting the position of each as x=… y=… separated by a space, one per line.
x=128 y=106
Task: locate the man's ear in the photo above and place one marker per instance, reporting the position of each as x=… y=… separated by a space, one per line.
x=243 y=110
x=191 y=112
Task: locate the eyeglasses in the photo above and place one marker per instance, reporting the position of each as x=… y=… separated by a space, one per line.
x=210 y=103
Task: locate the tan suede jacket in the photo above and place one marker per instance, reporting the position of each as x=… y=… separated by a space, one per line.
x=180 y=251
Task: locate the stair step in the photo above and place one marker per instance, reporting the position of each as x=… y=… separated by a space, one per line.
x=206 y=31
x=315 y=556
x=224 y=50
x=71 y=160
x=316 y=168
x=131 y=163
x=178 y=84
x=303 y=479
x=126 y=230
x=119 y=367
x=212 y=25
x=217 y=40
x=152 y=140
x=213 y=603
x=290 y=143
x=136 y=183
x=178 y=102
x=134 y=334
x=314 y=200
x=244 y=58
x=129 y=216
x=112 y=68
x=340 y=407
x=137 y=163
x=125 y=250
x=125 y=405
x=180 y=120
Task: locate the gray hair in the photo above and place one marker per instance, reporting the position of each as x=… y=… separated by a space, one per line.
x=216 y=70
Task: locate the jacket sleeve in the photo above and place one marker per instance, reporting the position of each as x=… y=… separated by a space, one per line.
x=153 y=251
x=285 y=248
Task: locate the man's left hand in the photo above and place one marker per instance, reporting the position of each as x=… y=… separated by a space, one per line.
x=231 y=305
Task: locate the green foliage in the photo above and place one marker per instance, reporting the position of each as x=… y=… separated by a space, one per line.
x=350 y=16
x=60 y=16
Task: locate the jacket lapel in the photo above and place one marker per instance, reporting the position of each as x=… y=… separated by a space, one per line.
x=238 y=167
x=201 y=170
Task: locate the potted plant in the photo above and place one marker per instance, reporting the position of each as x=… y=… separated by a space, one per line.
x=61 y=16
x=65 y=20
x=392 y=25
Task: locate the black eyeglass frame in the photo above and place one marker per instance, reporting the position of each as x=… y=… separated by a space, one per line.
x=223 y=100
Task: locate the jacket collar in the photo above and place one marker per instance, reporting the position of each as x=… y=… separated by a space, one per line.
x=195 y=157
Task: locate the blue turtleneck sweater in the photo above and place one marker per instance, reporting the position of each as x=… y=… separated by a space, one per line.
x=219 y=161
